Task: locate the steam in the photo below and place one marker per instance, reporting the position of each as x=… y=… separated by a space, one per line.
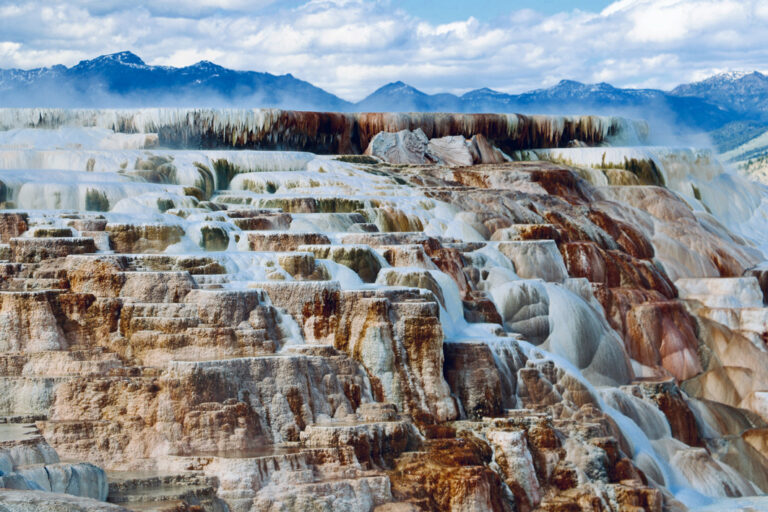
x=668 y=127
x=70 y=95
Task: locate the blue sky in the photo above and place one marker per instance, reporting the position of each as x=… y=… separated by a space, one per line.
x=351 y=47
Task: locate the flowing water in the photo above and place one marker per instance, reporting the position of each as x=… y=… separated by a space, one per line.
x=53 y=161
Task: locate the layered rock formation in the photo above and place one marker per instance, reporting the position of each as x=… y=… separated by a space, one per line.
x=247 y=331
x=323 y=132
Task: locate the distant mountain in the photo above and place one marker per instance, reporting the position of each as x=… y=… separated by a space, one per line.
x=124 y=80
x=400 y=97
x=745 y=93
x=567 y=97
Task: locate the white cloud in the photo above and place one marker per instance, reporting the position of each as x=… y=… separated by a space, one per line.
x=350 y=47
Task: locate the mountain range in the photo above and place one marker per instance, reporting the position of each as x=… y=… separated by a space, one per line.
x=125 y=80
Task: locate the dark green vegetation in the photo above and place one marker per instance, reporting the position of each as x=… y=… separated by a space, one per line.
x=734 y=134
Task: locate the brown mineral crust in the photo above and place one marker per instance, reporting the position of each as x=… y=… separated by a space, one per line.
x=468 y=177
x=631 y=495
x=12 y=225
x=537 y=232
x=449 y=261
x=620 y=467
x=272 y=241
x=528 y=132
x=350 y=133
x=545 y=446
x=401 y=322
x=732 y=368
x=85 y=320
x=324 y=310
x=682 y=421
x=473 y=377
x=215 y=384
x=664 y=334
x=572 y=227
x=394 y=220
x=563 y=183
x=375 y=445
x=117 y=416
x=143 y=238
x=721 y=257
x=629 y=239
x=479 y=308
x=614 y=269
x=408 y=255
x=572 y=500
x=437 y=431
x=486 y=152
x=101 y=277
x=259 y=220
x=193 y=409
x=450 y=474
x=536 y=390
x=68 y=320
x=617 y=302
x=419 y=331
x=35 y=250
x=762 y=278
x=563 y=216
x=564 y=477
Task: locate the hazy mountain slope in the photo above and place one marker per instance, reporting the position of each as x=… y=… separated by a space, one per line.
x=733 y=135
x=124 y=80
x=746 y=93
x=567 y=97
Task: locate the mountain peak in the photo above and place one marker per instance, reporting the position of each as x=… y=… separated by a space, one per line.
x=734 y=76
x=728 y=77
x=741 y=92
x=483 y=91
x=124 y=58
x=731 y=75
x=397 y=87
x=206 y=65
x=569 y=83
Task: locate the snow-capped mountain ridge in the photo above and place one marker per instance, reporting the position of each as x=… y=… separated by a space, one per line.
x=745 y=93
x=123 y=79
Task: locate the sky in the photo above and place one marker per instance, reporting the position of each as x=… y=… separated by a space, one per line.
x=352 y=47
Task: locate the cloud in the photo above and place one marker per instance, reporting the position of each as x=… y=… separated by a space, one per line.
x=351 y=47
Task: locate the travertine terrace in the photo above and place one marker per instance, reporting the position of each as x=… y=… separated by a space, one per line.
x=488 y=313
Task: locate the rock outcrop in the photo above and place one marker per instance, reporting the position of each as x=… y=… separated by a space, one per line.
x=413 y=147
x=434 y=329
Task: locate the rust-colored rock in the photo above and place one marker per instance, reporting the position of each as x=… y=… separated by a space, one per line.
x=452 y=475
x=142 y=238
x=12 y=225
x=664 y=334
